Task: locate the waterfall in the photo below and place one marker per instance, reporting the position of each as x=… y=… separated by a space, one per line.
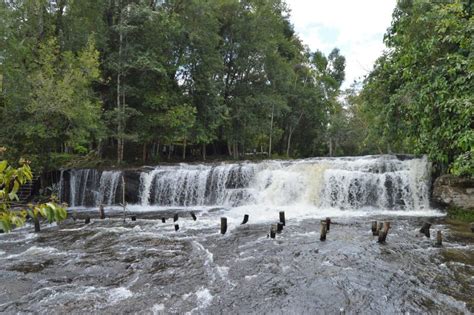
x=89 y=187
x=384 y=182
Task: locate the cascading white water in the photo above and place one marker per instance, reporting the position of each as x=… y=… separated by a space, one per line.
x=109 y=181
x=89 y=187
x=382 y=182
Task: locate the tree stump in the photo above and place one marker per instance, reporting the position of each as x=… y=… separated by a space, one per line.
x=375 y=231
x=134 y=218
x=193 y=216
x=246 y=219
x=176 y=227
x=328 y=224
x=323 y=230
x=163 y=220
x=223 y=225
x=282 y=217
x=175 y=217
x=425 y=229
x=87 y=220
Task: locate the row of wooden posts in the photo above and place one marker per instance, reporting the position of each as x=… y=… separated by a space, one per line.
x=379 y=229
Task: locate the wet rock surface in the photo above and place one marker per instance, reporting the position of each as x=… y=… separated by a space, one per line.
x=146 y=267
x=449 y=190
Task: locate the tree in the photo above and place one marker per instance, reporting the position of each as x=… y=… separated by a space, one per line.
x=420 y=92
x=11 y=179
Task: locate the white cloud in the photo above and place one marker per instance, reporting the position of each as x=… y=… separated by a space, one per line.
x=355 y=27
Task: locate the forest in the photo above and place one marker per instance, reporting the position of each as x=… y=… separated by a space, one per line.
x=128 y=82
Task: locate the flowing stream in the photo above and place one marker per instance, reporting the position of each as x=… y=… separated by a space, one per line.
x=145 y=266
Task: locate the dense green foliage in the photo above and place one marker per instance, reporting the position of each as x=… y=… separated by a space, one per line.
x=147 y=80
x=141 y=81
x=11 y=180
x=420 y=96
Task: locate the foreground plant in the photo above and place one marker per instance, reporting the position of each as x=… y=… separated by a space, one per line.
x=11 y=180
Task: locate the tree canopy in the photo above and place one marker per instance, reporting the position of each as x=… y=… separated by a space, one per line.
x=147 y=80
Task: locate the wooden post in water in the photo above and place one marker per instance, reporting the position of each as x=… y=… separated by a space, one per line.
x=246 y=219
x=223 y=225
x=383 y=233
x=37 y=223
x=193 y=216
x=101 y=212
x=425 y=229
x=379 y=228
x=282 y=217
x=163 y=220
x=439 y=239
x=328 y=224
x=279 y=227
x=123 y=198
x=175 y=217
x=176 y=227
x=323 y=230
x=87 y=220
x=374 y=228
x=273 y=229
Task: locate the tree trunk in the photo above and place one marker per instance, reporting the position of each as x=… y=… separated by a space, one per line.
x=203 y=151
x=144 y=153
x=288 y=144
x=330 y=146
x=236 y=150
x=184 y=148
x=229 y=148
x=271 y=134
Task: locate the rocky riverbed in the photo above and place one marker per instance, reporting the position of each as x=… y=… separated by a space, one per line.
x=145 y=266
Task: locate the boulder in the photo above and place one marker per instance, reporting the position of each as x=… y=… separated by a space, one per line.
x=453 y=191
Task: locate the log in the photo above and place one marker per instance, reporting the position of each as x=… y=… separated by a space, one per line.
x=101 y=212
x=37 y=224
x=134 y=218
x=175 y=217
x=282 y=217
x=279 y=227
x=163 y=220
x=375 y=231
x=193 y=216
x=87 y=220
x=425 y=229
x=439 y=239
x=223 y=225
x=176 y=227
x=328 y=224
x=384 y=232
x=246 y=219
x=323 y=230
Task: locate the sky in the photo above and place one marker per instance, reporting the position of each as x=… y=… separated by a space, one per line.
x=356 y=27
